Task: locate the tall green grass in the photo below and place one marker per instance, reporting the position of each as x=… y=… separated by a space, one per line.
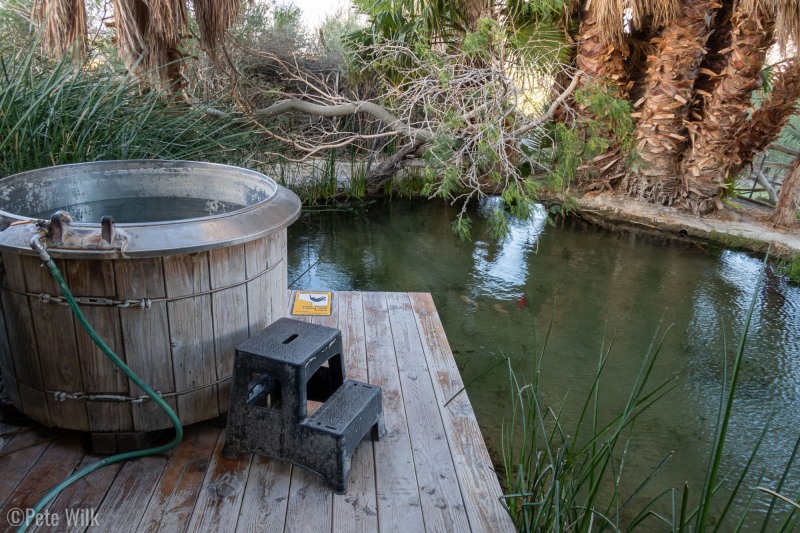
x=317 y=181
x=566 y=476
x=558 y=477
x=58 y=112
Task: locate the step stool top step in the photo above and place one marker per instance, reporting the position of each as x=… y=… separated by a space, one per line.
x=290 y=341
x=344 y=406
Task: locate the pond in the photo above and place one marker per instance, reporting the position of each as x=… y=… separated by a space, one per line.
x=498 y=298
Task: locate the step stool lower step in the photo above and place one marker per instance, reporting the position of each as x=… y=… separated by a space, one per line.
x=323 y=442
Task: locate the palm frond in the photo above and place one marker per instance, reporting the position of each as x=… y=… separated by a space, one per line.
x=787 y=24
x=654 y=12
x=214 y=17
x=63 y=24
x=130 y=20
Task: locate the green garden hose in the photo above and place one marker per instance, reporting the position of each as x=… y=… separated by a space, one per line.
x=36 y=244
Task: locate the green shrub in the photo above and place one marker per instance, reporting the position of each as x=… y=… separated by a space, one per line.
x=791 y=268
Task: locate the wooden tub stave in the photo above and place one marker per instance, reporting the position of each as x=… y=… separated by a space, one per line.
x=182 y=342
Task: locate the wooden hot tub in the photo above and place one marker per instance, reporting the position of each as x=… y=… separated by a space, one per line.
x=193 y=263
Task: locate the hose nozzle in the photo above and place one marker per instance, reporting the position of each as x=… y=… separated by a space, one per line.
x=38 y=246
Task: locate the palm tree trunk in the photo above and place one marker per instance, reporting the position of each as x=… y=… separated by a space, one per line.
x=600 y=60
x=712 y=157
x=769 y=119
x=671 y=73
x=789 y=198
x=716 y=58
x=474 y=10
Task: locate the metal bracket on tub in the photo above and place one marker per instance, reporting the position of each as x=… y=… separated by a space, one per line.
x=67 y=236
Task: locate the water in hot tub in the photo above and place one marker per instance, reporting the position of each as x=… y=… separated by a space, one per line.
x=143 y=210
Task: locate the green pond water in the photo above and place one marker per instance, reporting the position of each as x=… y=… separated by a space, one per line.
x=497 y=299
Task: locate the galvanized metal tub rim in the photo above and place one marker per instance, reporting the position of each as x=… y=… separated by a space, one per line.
x=266 y=208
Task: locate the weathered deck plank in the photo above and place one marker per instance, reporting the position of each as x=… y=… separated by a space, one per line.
x=130 y=493
x=55 y=463
x=440 y=494
x=83 y=496
x=265 y=496
x=357 y=510
x=178 y=489
x=473 y=464
x=217 y=507
x=399 y=507
x=430 y=473
x=19 y=456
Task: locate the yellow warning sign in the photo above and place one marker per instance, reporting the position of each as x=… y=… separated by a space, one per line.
x=312 y=303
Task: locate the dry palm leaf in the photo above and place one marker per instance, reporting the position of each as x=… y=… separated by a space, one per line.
x=214 y=17
x=131 y=22
x=64 y=25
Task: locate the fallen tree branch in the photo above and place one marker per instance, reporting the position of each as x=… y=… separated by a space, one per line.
x=309 y=151
x=468 y=119
x=339 y=110
x=384 y=171
x=778 y=148
x=762 y=180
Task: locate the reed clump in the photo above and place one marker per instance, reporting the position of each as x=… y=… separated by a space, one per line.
x=58 y=112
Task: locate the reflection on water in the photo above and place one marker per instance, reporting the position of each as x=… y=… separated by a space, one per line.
x=500 y=270
x=498 y=298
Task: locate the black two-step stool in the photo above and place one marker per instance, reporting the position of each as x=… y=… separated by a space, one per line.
x=275 y=373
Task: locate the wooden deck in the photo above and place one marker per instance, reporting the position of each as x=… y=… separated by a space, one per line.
x=431 y=473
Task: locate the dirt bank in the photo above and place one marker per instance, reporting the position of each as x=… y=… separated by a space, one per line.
x=742 y=225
